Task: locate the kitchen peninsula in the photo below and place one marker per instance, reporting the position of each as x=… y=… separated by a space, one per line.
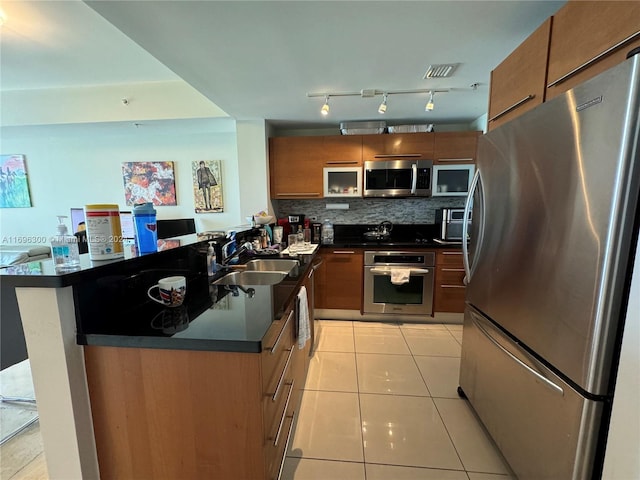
x=127 y=388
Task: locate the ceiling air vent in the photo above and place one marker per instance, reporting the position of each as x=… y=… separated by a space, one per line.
x=440 y=71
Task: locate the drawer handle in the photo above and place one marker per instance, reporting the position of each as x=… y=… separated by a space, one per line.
x=281 y=379
x=451 y=253
x=453 y=269
x=284 y=415
x=398 y=155
x=298 y=194
x=555 y=388
x=275 y=345
x=455 y=159
x=512 y=107
x=452 y=286
x=284 y=455
x=343 y=252
x=343 y=162
x=601 y=55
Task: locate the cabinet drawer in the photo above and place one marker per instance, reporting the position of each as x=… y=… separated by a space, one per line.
x=449 y=298
x=275 y=454
x=277 y=346
x=450 y=276
x=451 y=258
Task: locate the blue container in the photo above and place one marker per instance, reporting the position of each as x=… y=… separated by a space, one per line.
x=144 y=219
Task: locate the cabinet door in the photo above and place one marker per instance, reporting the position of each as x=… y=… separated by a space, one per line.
x=342 y=150
x=339 y=279
x=518 y=83
x=455 y=147
x=295 y=167
x=410 y=145
x=592 y=35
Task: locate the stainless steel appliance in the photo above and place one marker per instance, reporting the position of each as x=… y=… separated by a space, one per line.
x=555 y=231
x=397 y=178
x=414 y=297
x=451 y=223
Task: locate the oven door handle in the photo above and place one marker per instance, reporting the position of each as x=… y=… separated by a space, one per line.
x=387 y=271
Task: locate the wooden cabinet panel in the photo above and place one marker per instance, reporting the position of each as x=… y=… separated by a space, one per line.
x=583 y=30
x=518 y=84
x=295 y=167
x=339 y=280
x=167 y=413
x=342 y=150
x=418 y=145
x=455 y=147
x=449 y=289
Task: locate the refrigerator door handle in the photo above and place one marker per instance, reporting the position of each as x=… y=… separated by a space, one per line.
x=548 y=383
x=465 y=227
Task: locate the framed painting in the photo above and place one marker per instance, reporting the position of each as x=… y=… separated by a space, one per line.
x=207 y=186
x=149 y=182
x=14 y=184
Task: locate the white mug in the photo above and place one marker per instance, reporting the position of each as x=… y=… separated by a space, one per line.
x=172 y=291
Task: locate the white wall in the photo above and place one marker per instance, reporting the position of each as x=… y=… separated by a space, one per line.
x=73 y=167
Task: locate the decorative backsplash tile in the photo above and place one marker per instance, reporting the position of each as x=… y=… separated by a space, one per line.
x=369 y=211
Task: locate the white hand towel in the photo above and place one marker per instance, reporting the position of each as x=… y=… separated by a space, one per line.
x=304 y=330
x=400 y=275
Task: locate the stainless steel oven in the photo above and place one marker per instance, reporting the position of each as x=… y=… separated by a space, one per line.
x=413 y=296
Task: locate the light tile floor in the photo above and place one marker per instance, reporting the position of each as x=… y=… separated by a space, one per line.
x=381 y=402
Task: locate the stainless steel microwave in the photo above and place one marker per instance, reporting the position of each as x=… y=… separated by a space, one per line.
x=397 y=178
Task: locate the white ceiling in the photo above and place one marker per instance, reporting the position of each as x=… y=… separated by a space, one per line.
x=259 y=59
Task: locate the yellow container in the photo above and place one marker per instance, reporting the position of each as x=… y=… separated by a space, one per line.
x=104 y=233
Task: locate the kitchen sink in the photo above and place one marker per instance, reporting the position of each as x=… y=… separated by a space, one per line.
x=270 y=265
x=249 y=277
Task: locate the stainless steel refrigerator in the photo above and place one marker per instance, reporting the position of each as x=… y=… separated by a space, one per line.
x=555 y=209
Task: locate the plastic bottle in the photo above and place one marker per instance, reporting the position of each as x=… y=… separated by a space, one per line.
x=64 y=249
x=327 y=232
x=144 y=219
x=104 y=232
x=300 y=237
x=212 y=266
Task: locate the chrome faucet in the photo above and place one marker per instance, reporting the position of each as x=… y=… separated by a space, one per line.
x=227 y=257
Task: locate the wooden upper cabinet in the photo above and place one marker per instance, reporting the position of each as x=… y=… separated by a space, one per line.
x=295 y=167
x=589 y=37
x=418 y=146
x=342 y=150
x=518 y=83
x=455 y=147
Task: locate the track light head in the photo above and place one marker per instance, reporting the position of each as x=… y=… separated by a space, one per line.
x=383 y=106
x=430 y=105
x=325 y=108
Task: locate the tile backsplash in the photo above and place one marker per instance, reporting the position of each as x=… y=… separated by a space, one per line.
x=369 y=211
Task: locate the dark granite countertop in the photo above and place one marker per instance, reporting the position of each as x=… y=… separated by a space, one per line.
x=402 y=236
x=222 y=318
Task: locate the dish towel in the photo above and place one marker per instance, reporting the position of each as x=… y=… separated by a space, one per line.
x=304 y=330
x=400 y=275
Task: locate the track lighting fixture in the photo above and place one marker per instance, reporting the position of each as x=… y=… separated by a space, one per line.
x=430 y=105
x=383 y=106
x=368 y=93
x=325 y=108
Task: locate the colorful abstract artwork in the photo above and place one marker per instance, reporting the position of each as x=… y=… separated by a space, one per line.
x=207 y=186
x=149 y=182
x=14 y=184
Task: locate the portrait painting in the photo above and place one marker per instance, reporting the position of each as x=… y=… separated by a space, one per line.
x=14 y=184
x=207 y=186
x=149 y=182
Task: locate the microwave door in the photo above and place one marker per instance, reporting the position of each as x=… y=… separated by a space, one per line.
x=388 y=182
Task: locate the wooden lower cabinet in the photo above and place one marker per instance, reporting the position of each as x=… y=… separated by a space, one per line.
x=196 y=414
x=339 y=279
x=449 y=285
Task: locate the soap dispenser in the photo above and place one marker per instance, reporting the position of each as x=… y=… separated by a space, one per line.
x=64 y=249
